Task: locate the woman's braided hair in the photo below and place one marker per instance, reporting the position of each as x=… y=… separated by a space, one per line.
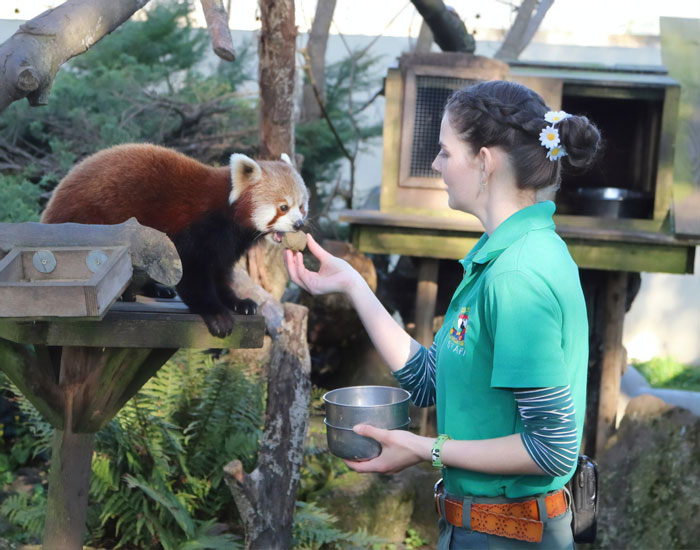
x=511 y=116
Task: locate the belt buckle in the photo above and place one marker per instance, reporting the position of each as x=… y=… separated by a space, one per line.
x=436 y=488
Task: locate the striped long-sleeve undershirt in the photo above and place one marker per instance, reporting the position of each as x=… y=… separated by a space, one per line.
x=549 y=427
x=548 y=414
x=418 y=376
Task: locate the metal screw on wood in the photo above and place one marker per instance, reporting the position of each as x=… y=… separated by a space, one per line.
x=44 y=261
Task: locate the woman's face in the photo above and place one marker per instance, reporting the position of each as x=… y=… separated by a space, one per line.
x=459 y=168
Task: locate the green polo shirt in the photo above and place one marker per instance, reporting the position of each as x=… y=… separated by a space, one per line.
x=517 y=320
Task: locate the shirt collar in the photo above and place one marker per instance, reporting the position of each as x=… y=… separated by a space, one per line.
x=536 y=216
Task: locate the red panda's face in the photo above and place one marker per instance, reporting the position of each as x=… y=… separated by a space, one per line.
x=278 y=196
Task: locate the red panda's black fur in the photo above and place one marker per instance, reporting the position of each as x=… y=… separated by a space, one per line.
x=212 y=214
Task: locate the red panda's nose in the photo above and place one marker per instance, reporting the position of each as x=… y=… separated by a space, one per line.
x=298 y=225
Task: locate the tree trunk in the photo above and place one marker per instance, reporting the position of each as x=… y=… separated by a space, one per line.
x=527 y=21
x=316 y=51
x=277 y=56
x=32 y=56
x=266 y=498
x=447 y=27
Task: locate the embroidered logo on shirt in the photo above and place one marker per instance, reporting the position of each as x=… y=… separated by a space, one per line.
x=460 y=329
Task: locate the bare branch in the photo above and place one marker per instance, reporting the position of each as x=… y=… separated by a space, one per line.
x=217 y=22
x=316 y=58
x=526 y=23
x=447 y=27
x=33 y=55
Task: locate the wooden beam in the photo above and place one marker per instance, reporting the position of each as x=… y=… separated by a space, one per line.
x=594 y=253
x=69 y=483
x=612 y=357
x=426 y=296
x=143 y=324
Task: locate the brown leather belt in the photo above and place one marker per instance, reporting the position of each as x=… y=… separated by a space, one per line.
x=515 y=520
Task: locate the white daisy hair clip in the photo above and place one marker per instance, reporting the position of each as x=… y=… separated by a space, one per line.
x=549 y=136
x=555 y=116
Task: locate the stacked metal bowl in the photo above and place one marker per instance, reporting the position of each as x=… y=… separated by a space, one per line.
x=381 y=406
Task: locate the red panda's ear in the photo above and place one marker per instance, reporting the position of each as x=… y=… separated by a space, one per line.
x=285 y=158
x=244 y=172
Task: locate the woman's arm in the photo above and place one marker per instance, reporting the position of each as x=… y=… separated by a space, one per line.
x=335 y=275
x=401 y=449
x=548 y=444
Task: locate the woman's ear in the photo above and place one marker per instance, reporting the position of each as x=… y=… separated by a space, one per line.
x=487 y=161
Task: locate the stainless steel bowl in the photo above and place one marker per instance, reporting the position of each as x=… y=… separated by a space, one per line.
x=345 y=443
x=382 y=406
x=605 y=202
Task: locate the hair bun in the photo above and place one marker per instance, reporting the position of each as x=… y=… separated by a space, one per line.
x=581 y=140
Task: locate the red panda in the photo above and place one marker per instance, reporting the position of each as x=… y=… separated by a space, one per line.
x=212 y=214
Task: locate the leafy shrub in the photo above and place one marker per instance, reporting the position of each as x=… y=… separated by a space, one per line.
x=19 y=199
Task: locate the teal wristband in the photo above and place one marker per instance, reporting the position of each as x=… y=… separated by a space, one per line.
x=436 y=453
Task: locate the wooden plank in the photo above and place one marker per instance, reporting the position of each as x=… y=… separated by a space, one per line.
x=632 y=256
x=680 y=51
x=664 y=174
x=139 y=328
x=386 y=241
x=588 y=227
x=606 y=255
x=391 y=140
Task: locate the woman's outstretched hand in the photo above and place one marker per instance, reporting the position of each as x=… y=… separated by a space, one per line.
x=334 y=274
x=400 y=449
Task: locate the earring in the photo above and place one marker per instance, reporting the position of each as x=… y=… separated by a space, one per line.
x=484 y=182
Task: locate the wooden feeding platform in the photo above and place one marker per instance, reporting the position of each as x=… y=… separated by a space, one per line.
x=62 y=282
x=78 y=354
x=637 y=111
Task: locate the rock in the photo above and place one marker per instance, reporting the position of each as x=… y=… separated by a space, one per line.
x=650 y=482
x=386 y=505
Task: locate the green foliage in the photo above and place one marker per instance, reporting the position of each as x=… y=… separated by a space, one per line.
x=346 y=80
x=142 y=83
x=158 y=466
x=414 y=540
x=26 y=512
x=666 y=372
x=19 y=199
x=314 y=529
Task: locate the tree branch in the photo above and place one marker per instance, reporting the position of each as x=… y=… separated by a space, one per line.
x=217 y=22
x=447 y=27
x=316 y=59
x=33 y=55
x=527 y=21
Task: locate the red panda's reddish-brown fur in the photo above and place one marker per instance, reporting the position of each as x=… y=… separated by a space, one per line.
x=107 y=188
x=212 y=214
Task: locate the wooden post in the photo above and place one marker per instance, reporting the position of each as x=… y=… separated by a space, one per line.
x=69 y=481
x=426 y=296
x=612 y=356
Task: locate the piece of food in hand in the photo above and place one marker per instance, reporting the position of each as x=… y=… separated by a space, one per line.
x=294 y=240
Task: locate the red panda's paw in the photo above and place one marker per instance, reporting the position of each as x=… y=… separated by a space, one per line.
x=219 y=324
x=153 y=289
x=244 y=306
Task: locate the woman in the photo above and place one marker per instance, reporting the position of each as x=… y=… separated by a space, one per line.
x=507 y=370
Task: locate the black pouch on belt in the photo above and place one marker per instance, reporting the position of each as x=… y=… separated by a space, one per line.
x=584 y=499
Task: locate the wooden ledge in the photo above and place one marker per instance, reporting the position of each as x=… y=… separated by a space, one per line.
x=146 y=323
